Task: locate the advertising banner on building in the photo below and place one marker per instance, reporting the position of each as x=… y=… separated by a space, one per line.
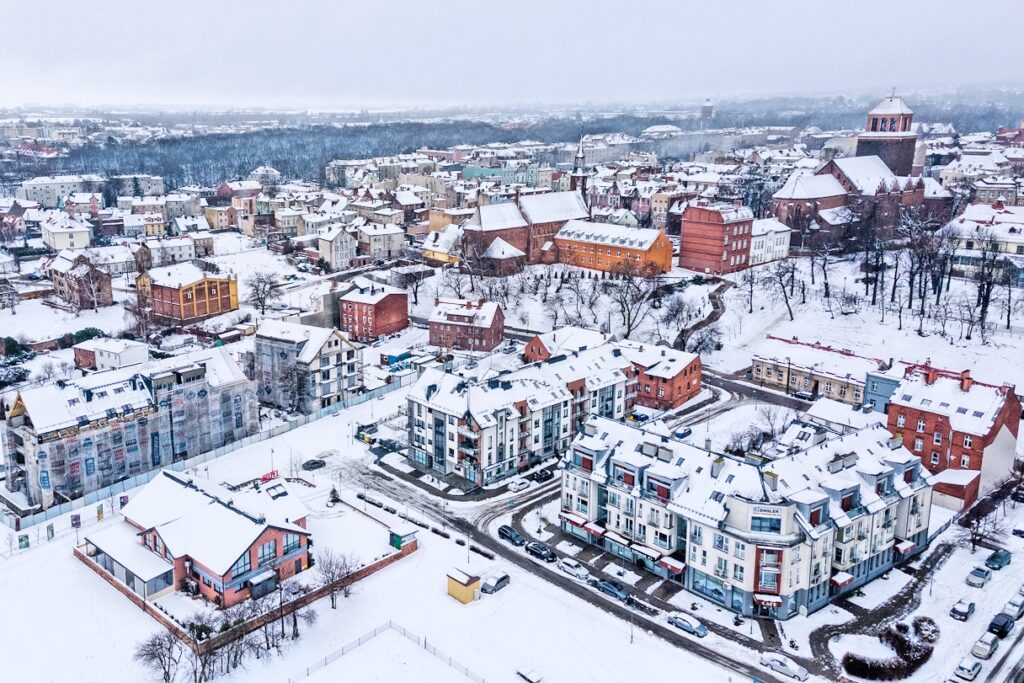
x=99 y=512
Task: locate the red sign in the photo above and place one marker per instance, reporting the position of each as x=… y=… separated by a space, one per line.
x=272 y=474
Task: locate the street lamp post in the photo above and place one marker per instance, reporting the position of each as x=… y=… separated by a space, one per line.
x=789 y=373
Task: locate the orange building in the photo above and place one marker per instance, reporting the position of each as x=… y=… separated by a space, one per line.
x=184 y=293
x=604 y=246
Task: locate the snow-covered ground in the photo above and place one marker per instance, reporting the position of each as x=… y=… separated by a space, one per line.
x=878 y=591
x=36 y=321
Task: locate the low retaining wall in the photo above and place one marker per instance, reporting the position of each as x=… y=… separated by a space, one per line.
x=216 y=642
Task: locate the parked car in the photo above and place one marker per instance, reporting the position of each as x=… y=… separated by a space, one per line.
x=986 y=646
x=998 y=559
x=641 y=417
x=978 y=577
x=683 y=433
x=613 y=588
x=1019 y=533
x=507 y=533
x=314 y=464
x=494 y=583
x=684 y=622
x=968 y=669
x=541 y=551
x=574 y=568
x=783 y=665
x=518 y=485
x=541 y=476
x=804 y=395
x=1015 y=608
x=1018 y=495
x=962 y=610
x=1001 y=625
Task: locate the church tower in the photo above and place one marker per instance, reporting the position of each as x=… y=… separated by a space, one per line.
x=888 y=134
x=578 y=177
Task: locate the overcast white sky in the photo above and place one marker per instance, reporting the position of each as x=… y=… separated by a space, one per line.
x=340 y=54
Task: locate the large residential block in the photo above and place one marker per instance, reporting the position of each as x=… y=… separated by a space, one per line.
x=370 y=310
x=765 y=540
x=466 y=325
x=954 y=423
x=70 y=438
x=716 y=238
x=305 y=368
x=608 y=247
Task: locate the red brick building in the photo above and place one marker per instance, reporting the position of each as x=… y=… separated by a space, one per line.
x=80 y=283
x=369 y=310
x=529 y=224
x=665 y=378
x=466 y=325
x=715 y=238
x=183 y=293
x=952 y=421
x=563 y=340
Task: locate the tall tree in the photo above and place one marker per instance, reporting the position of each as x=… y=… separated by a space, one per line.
x=262 y=289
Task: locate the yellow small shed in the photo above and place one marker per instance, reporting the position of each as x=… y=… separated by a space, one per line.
x=463 y=586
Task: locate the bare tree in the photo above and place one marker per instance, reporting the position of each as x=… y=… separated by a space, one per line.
x=456 y=281
x=331 y=567
x=980 y=529
x=262 y=289
x=777 y=277
x=772 y=417
x=139 y=316
x=632 y=292
x=162 y=653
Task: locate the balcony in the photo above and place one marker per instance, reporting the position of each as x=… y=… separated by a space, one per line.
x=721 y=573
x=472 y=451
x=468 y=433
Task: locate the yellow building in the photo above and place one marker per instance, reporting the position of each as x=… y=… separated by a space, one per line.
x=463 y=587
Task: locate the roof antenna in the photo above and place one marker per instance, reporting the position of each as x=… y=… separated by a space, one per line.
x=894 y=91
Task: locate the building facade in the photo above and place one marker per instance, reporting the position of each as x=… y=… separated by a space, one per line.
x=466 y=325
x=610 y=248
x=715 y=238
x=184 y=294
x=370 y=310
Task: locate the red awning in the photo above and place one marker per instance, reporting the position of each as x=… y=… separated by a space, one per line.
x=647 y=551
x=841 y=579
x=572 y=518
x=673 y=565
x=905 y=547
x=611 y=535
x=769 y=600
x=594 y=529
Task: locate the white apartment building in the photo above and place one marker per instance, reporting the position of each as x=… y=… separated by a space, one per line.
x=49 y=190
x=63 y=232
x=769 y=241
x=337 y=246
x=766 y=540
x=381 y=241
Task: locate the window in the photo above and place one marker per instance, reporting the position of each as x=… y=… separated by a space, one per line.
x=901 y=420
x=918 y=444
x=291 y=542
x=267 y=553
x=935 y=458
x=737 y=572
x=828 y=387
x=937 y=438
x=696 y=535
x=766 y=525
x=965 y=461
x=740 y=550
x=967 y=441
x=242 y=566
x=920 y=425
x=721 y=543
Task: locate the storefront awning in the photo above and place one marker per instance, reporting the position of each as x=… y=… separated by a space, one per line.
x=572 y=518
x=841 y=579
x=612 y=536
x=904 y=547
x=594 y=529
x=647 y=551
x=673 y=565
x=769 y=600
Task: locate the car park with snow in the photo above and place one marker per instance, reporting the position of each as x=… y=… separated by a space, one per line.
x=986 y=646
x=518 y=485
x=998 y=559
x=507 y=533
x=968 y=669
x=494 y=583
x=1001 y=625
x=612 y=588
x=540 y=551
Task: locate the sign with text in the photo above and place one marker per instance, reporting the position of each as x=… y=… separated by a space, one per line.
x=272 y=474
x=761 y=511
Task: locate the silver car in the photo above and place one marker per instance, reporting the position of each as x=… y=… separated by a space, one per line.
x=783 y=665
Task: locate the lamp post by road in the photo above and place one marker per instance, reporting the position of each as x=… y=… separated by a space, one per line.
x=789 y=374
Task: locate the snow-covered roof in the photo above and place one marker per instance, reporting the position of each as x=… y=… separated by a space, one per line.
x=364 y=290
x=831 y=413
x=568 y=339
x=310 y=338
x=553 y=206
x=179 y=275
x=657 y=361
x=443 y=240
x=608 y=233
x=121 y=542
x=210 y=523
x=825 y=360
x=109 y=345
x=802 y=186
x=891 y=106
x=763 y=226
x=840 y=215
x=500 y=249
x=866 y=173
x=378 y=229
x=464 y=312
x=504 y=216
x=970 y=406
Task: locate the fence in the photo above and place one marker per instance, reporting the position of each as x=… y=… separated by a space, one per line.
x=401 y=630
x=110 y=493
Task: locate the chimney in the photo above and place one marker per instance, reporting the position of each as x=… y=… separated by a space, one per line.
x=771 y=480
x=931 y=374
x=663 y=352
x=966 y=382
x=998 y=204
x=707 y=444
x=716 y=467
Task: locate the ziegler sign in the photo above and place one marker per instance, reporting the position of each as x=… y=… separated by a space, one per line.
x=765 y=512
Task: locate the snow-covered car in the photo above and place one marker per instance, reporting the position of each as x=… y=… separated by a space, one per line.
x=962 y=610
x=541 y=551
x=518 y=485
x=494 y=583
x=612 y=588
x=1015 y=608
x=998 y=559
x=783 y=665
x=986 y=646
x=978 y=577
x=968 y=669
x=684 y=622
x=573 y=568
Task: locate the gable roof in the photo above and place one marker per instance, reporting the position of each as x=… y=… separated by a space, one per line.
x=503 y=216
x=866 y=173
x=500 y=249
x=609 y=233
x=802 y=186
x=553 y=206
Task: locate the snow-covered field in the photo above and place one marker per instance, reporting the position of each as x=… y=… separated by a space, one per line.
x=36 y=321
